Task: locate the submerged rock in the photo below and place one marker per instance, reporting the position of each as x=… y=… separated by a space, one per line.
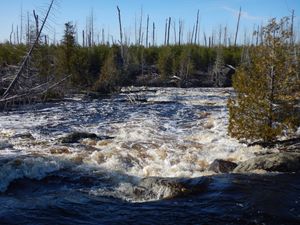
x=76 y=136
x=222 y=166
x=156 y=188
x=5 y=144
x=61 y=150
x=280 y=162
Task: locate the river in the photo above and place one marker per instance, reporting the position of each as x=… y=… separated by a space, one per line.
x=165 y=133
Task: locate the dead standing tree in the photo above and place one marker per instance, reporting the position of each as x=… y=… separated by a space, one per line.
x=23 y=88
x=121 y=33
x=237 y=27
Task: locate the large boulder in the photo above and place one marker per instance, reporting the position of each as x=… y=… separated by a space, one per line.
x=155 y=188
x=280 y=162
x=222 y=166
x=77 y=136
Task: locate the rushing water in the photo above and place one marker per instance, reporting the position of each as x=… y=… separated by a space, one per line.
x=170 y=133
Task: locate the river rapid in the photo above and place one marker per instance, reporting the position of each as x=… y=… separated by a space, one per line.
x=159 y=134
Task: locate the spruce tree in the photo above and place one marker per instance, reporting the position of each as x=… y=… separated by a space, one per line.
x=68 y=44
x=267 y=87
x=111 y=76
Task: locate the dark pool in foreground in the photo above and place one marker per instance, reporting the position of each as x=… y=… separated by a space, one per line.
x=228 y=199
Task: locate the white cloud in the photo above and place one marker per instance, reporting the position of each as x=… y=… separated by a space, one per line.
x=244 y=14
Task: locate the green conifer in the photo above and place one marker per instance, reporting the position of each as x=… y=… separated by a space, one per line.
x=267 y=88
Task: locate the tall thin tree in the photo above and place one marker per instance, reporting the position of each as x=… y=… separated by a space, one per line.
x=197 y=23
x=237 y=26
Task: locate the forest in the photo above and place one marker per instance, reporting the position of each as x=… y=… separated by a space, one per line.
x=106 y=65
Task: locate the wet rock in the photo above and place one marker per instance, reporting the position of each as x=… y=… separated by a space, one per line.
x=76 y=136
x=62 y=150
x=156 y=188
x=279 y=162
x=5 y=144
x=222 y=166
x=289 y=145
x=26 y=135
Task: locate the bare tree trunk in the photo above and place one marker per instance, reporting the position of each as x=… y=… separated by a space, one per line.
x=257 y=36
x=292 y=27
x=261 y=37
x=192 y=37
x=140 y=29
x=103 y=37
x=21 y=28
x=237 y=27
x=92 y=28
x=174 y=27
x=90 y=38
x=36 y=18
x=225 y=37
x=54 y=37
x=169 y=25
x=166 y=28
x=205 y=41
x=147 y=31
x=18 y=41
x=121 y=33
x=135 y=31
x=220 y=35
x=271 y=97
x=11 y=33
x=28 y=29
x=196 y=32
x=180 y=32
x=153 y=34
x=83 y=38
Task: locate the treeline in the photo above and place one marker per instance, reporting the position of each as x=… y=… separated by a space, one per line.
x=106 y=67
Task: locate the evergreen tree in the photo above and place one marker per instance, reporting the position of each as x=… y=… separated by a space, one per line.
x=68 y=44
x=165 y=63
x=111 y=76
x=186 y=66
x=267 y=88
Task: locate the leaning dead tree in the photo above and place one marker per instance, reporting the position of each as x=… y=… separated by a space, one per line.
x=237 y=27
x=25 y=86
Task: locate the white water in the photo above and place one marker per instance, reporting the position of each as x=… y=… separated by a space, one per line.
x=177 y=133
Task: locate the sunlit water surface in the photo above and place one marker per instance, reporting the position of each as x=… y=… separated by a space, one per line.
x=158 y=132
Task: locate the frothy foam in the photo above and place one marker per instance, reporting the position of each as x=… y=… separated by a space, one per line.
x=176 y=139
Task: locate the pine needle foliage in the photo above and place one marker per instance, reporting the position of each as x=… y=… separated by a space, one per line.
x=266 y=101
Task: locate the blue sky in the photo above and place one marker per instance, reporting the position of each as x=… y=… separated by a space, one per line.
x=213 y=14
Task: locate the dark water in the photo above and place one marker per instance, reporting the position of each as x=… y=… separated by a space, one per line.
x=228 y=199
